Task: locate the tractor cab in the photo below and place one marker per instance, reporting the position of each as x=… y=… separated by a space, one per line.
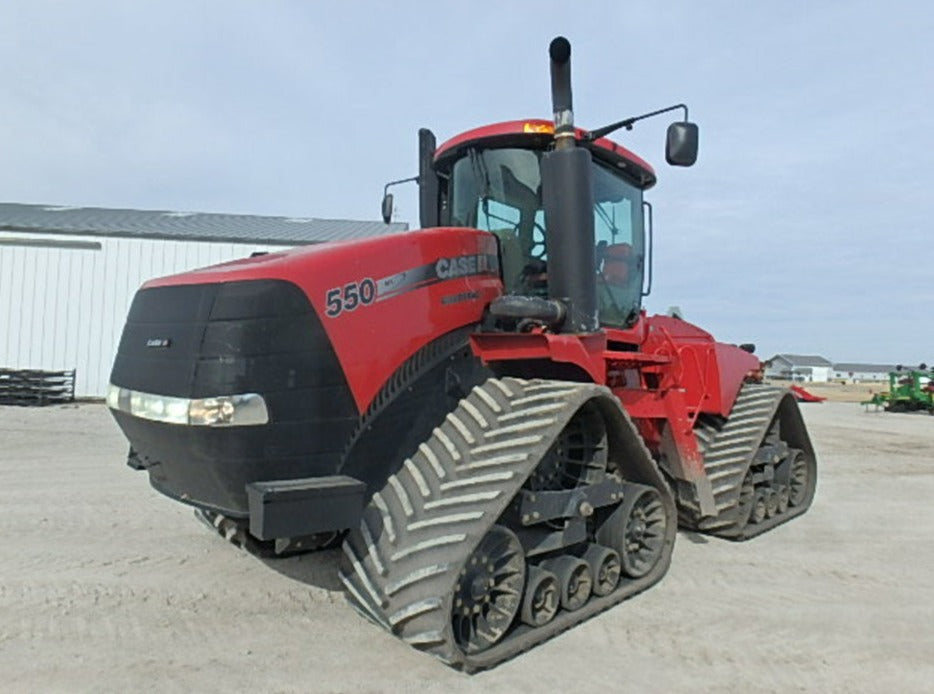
x=565 y=205
x=490 y=179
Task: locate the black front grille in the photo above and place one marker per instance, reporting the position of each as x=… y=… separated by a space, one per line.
x=256 y=336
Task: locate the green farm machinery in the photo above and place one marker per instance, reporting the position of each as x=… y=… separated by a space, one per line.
x=910 y=390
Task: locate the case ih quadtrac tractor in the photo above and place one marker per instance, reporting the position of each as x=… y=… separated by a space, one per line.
x=510 y=440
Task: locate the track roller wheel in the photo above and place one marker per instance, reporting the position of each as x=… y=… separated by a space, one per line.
x=747 y=495
x=541 y=599
x=488 y=593
x=771 y=503
x=759 y=508
x=798 y=479
x=644 y=535
x=605 y=567
x=574 y=580
x=783 y=496
x=636 y=529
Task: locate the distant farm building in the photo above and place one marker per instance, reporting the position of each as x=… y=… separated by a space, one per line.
x=68 y=274
x=799 y=367
x=862 y=372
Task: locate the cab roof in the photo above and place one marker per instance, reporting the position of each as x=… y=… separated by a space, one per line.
x=539 y=134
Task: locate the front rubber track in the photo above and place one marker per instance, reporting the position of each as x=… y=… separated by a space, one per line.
x=400 y=566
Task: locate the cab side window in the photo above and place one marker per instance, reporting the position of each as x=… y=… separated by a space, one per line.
x=619 y=250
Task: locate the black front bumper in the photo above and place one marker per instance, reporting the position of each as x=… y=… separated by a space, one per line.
x=298 y=508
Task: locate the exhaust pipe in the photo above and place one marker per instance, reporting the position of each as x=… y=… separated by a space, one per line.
x=561 y=100
x=568 y=200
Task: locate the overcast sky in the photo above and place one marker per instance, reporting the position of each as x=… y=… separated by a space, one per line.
x=803 y=227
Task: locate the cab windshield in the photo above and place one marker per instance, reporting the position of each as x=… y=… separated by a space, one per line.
x=499 y=190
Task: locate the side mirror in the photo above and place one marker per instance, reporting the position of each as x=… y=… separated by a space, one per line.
x=387 y=208
x=681 y=144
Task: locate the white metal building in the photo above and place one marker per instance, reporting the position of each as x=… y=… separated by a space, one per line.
x=862 y=372
x=68 y=275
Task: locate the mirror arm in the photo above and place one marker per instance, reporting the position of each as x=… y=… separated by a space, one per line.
x=395 y=183
x=629 y=122
x=387 y=198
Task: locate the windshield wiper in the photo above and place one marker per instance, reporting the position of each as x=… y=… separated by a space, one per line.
x=602 y=213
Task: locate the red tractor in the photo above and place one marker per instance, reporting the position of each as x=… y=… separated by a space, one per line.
x=510 y=440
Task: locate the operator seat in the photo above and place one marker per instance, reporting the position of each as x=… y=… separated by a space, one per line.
x=615 y=263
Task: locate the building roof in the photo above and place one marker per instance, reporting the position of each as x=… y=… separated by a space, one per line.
x=864 y=368
x=190 y=226
x=802 y=359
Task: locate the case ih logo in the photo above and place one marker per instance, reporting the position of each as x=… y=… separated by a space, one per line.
x=464 y=265
x=158 y=342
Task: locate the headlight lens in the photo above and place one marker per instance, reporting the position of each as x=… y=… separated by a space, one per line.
x=247 y=409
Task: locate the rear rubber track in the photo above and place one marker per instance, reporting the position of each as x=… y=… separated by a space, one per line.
x=735 y=447
x=401 y=565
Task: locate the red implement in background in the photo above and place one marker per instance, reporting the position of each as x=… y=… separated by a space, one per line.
x=801 y=395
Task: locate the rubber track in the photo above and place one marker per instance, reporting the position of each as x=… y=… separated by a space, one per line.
x=401 y=564
x=729 y=448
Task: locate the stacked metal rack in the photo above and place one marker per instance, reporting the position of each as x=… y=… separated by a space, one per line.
x=33 y=387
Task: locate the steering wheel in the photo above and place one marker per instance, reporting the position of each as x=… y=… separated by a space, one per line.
x=534 y=278
x=538 y=250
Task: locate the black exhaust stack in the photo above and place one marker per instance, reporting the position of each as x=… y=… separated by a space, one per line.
x=568 y=200
x=427 y=180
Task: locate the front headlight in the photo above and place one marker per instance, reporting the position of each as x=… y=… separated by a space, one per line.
x=228 y=410
x=247 y=409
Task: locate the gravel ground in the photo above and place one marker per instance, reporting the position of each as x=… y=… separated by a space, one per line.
x=107 y=586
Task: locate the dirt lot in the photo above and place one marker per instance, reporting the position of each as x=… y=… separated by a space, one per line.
x=106 y=586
